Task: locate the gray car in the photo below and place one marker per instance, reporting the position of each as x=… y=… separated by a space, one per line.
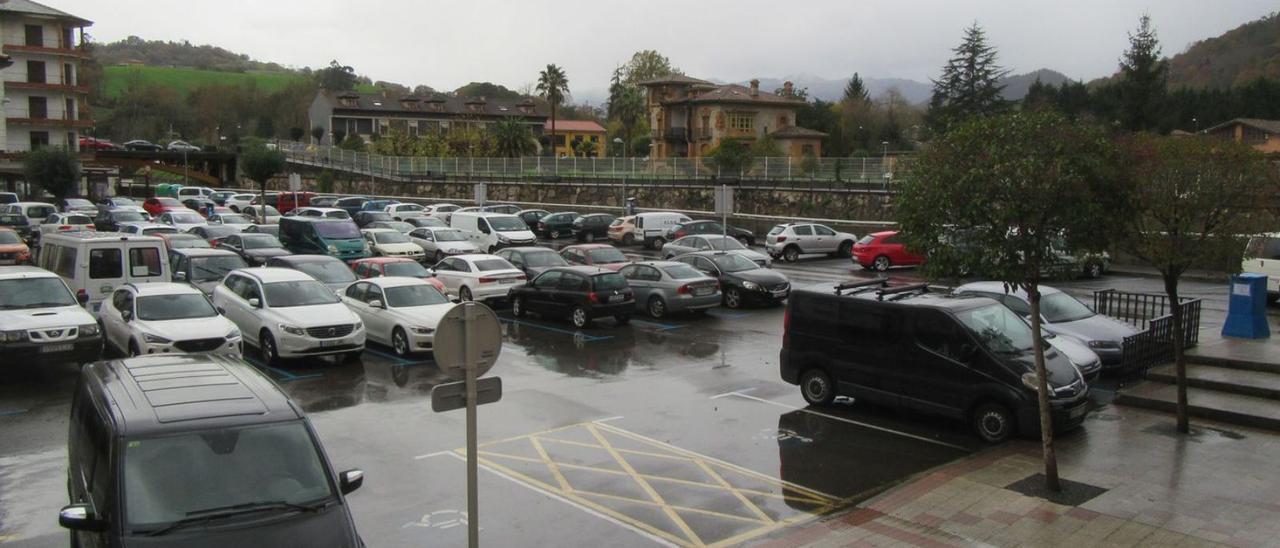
x=533 y=260
x=689 y=244
x=1062 y=314
x=441 y=242
x=667 y=287
x=330 y=271
x=203 y=268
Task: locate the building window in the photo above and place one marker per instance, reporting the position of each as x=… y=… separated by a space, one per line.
x=70 y=113
x=39 y=139
x=72 y=142
x=37 y=107
x=560 y=140
x=35 y=72
x=68 y=74
x=67 y=38
x=35 y=35
x=784 y=121
x=806 y=150
x=742 y=122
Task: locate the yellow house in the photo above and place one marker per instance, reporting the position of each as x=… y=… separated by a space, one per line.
x=1262 y=135
x=569 y=132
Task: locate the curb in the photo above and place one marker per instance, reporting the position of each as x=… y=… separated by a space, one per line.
x=1216 y=277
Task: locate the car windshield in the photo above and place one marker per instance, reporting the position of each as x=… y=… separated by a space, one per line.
x=427 y=221
x=159 y=230
x=725 y=244
x=298 y=293
x=330 y=272
x=449 y=236
x=77 y=202
x=733 y=263
x=409 y=207
x=127 y=217
x=376 y=216
x=998 y=328
x=76 y=220
x=398 y=225
x=1061 y=307
x=406 y=268
x=204 y=269
x=182 y=241
x=604 y=282
x=174 y=307
x=343 y=230
x=34 y=293
x=682 y=272
x=487 y=265
x=218 y=231
x=390 y=238
x=170 y=478
x=507 y=224
x=9 y=237
x=259 y=241
x=40 y=212
x=123 y=202
x=173 y=202
x=13 y=219
x=233 y=219
x=414 y=295
x=606 y=255
x=187 y=218
x=544 y=258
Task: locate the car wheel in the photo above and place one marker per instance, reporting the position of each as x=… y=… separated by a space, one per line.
x=517 y=307
x=791 y=254
x=657 y=243
x=881 y=263
x=493 y=249
x=622 y=319
x=744 y=241
x=464 y=293
x=817 y=388
x=554 y=234
x=628 y=239
x=579 y=317
x=589 y=237
x=267 y=345
x=846 y=249
x=1094 y=270
x=657 y=307
x=400 y=342
x=993 y=422
x=733 y=298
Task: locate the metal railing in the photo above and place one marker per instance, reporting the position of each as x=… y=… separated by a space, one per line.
x=869 y=171
x=1153 y=314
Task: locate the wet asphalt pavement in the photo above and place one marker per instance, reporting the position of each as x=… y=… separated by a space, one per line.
x=676 y=431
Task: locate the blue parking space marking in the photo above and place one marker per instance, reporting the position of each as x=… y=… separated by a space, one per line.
x=586 y=337
x=11 y=412
x=660 y=326
x=285 y=376
x=727 y=315
x=397 y=359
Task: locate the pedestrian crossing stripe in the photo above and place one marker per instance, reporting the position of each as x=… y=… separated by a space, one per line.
x=680 y=496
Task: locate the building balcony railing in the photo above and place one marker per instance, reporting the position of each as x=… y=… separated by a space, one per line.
x=675 y=134
x=703 y=133
x=47 y=86
x=23 y=120
x=52 y=49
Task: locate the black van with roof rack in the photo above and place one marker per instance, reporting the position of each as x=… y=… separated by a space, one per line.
x=965 y=358
x=196 y=451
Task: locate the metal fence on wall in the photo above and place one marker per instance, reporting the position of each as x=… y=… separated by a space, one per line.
x=880 y=171
x=1152 y=313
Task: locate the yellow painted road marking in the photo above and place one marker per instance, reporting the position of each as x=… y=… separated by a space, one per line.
x=731 y=503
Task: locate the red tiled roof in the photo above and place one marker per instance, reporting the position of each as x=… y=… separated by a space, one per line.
x=733 y=93
x=584 y=126
x=796 y=132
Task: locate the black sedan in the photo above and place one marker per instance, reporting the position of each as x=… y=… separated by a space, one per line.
x=746 y=237
x=142 y=145
x=255 y=249
x=743 y=282
x=363 y=218
x=557 y=224
x=533 y=260
x=579 y=293
x=589 y=228
x=214 y=233
x=531 y=216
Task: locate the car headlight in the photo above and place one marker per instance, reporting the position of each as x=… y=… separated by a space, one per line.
x=292 y=329
x=422 y=330
x=502 y=238
x=359 y=325
x=15 y=336
x=233 y=334
x=333 y=248
x=88 y=330
x=155 y=339
x=1103 y=344
x=750 y=286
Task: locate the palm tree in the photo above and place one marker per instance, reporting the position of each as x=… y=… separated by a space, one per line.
x=630 y=110
x=553 y=85
x=512 y=137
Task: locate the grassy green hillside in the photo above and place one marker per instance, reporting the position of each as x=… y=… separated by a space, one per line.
x=117 y=78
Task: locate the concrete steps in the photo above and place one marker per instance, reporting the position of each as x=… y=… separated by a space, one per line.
x=1230 y=391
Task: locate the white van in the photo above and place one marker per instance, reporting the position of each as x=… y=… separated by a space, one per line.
x=34 y=212
x=194 y=192
x=647 y=228
x=96 y=263
x=492 y=231
x=1262 y=256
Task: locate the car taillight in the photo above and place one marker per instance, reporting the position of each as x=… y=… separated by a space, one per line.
x=682 y=290
x=487 y=280
x=522 y=277
x=593 y=298
x=782 y=238
x=680 y=234
x=64 y=227
x=82 y=294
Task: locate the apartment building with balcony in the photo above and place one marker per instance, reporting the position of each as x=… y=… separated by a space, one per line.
x=689 y=117
x=367 y=115
x=40 y=91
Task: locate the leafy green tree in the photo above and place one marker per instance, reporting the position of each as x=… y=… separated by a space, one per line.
x=55 y=170
x=732 y=157
x=336 y=77
x=259 y=164
x=487 y=90
x=766 y=147
x=647 y=65
x=1143 y=77
x=296 y=133
x=553 y=85
x=470 y=142
x=970 y=83
x=1192 y=200
x=630 y=111
x=995 y=193
x=317 y=134
x=353 y=143
x=324 y=183
x=855 y=90
x=340 y=137
x=513 y=138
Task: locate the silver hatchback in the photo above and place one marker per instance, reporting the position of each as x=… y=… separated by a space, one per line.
x=667 y=287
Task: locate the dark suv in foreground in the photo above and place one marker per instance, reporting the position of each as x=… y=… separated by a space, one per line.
x=965 y=358
x=580 y=293
x=193 y=451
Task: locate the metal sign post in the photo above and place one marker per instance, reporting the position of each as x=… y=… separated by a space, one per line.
x=724 y=205
x=468 y=341
x=482 y=194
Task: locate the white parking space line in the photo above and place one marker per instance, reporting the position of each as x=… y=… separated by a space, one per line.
x=731 y=393
x=849 y=421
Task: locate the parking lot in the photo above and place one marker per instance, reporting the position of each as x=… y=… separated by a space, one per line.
x=675 y=431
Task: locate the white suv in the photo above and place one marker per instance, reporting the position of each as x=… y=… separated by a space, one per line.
x=165 y=317
x=791 y=240
x=287 y=313
x=41 y=320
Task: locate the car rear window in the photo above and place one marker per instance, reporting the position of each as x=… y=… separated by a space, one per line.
x=866 y=240
x=682 y=272
x=487 y=265
x=777 y=230
x=608 y=281
x=606 y=255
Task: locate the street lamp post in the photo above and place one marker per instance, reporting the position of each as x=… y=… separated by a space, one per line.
x=884 y=161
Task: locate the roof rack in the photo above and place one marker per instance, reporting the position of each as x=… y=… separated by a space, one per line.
x=862 y=286
x=902 y=291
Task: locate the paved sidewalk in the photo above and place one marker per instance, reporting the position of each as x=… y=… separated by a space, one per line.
x=1218 y=486
x=1133 y=269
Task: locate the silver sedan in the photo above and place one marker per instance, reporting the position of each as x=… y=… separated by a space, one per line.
x=712 y=242
x=666 y=287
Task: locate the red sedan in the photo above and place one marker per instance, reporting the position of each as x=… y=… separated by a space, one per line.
x=601 y=255
x=376 y=267
x=157 y=206
x=90 y=143
x=881 y=250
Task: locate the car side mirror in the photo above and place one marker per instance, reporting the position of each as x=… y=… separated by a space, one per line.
x=82 y=298
x=350 y=480
x=126 y=315
x=79 y=517
x=255 y=302
x=179 y=276
x=377 y=304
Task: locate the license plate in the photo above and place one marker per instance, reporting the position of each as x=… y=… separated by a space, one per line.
x=1077 y=412
x=57 y=348
x=507 y=281
x=616 y=298
x=324 y=344
x=701 y=291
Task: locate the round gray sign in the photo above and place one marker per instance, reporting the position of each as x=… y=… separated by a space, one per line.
x=485 y=334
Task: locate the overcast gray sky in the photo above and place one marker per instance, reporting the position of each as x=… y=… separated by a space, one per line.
x=447 y=44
